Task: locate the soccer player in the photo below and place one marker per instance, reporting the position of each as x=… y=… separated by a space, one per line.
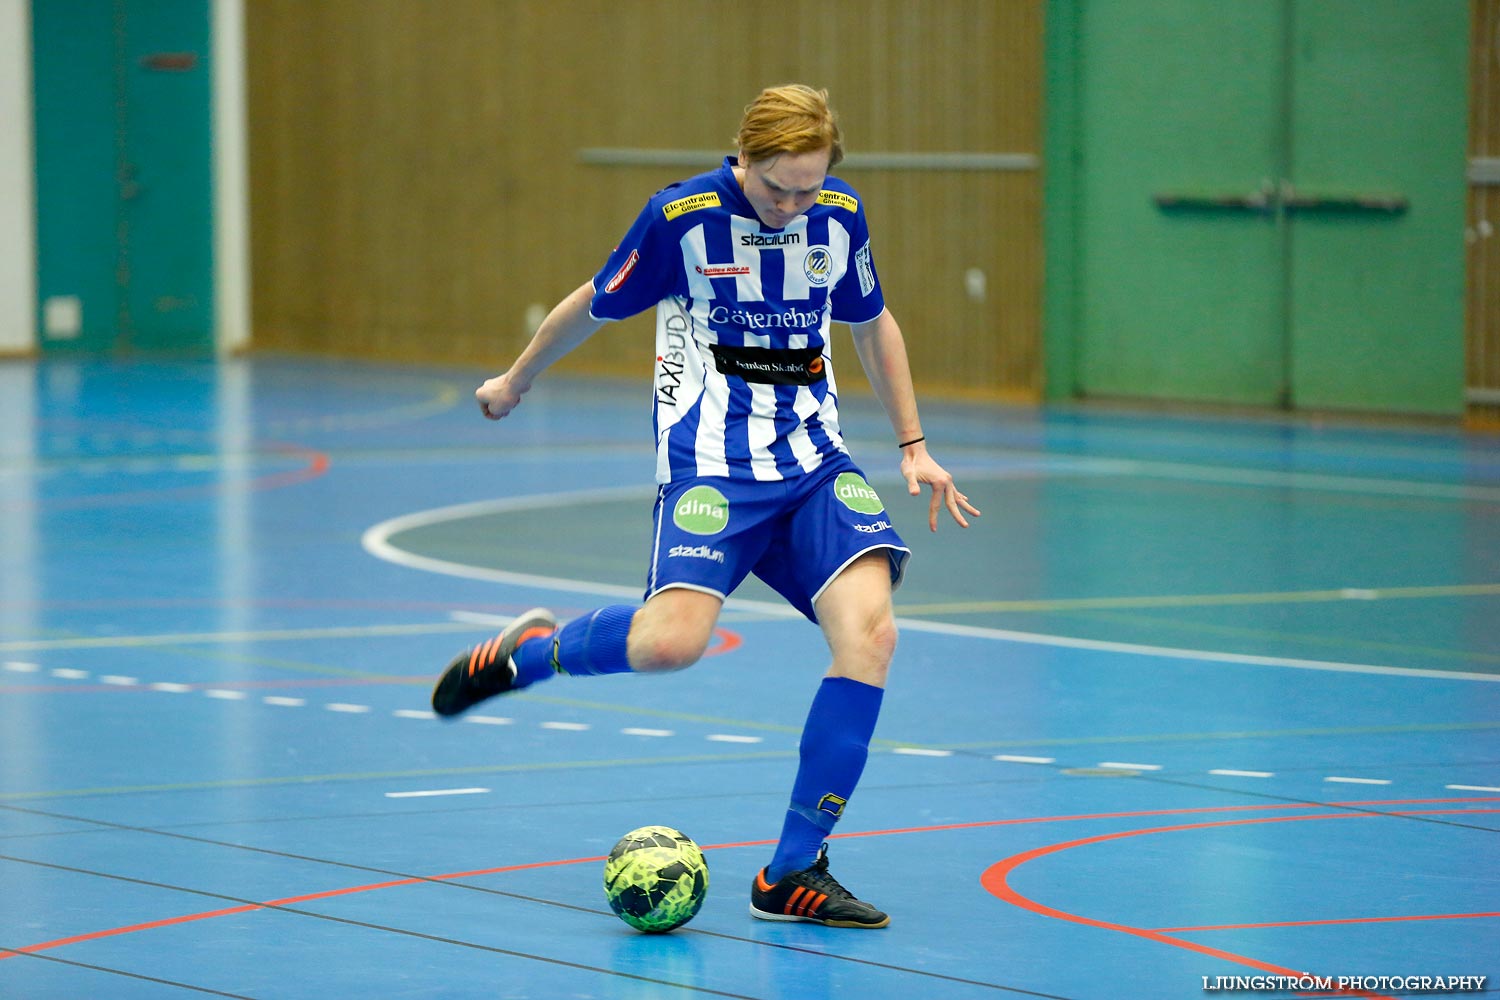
x=746 y=266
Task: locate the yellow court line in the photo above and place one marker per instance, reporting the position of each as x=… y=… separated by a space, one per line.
x=1204 y=600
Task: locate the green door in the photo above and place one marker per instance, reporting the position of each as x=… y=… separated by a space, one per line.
x=1269 y=201
x=124 y=176
x=1380 y=109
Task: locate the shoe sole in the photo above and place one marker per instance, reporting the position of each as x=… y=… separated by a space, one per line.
x=790 y=918
x=463 y=665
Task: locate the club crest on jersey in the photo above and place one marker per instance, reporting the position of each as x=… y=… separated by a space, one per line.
x=818 y=266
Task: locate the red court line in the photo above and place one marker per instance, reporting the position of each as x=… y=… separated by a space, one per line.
x=353 y=890
x=728 y=642
x=996 y=881
x=276 y=903
x=317 y=463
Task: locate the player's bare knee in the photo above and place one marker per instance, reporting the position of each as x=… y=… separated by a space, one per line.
x=666 y=651
x=881 y=639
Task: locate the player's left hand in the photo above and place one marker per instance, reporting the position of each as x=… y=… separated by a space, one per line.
x=918 y=467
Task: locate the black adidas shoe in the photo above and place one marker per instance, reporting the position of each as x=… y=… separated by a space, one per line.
x=812 y=895
x=486 y=670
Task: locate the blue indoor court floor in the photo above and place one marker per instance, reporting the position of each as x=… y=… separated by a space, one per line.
x=1199 y=696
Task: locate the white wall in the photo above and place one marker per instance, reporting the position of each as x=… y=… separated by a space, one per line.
x=231 y=180
x=17 y=197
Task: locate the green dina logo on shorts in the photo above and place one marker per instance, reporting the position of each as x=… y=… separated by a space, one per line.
x=856 y=494
x=702 y=510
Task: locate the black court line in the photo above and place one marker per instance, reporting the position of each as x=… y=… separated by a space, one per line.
x=520 y=897
x=121 y=972
x=439 y=939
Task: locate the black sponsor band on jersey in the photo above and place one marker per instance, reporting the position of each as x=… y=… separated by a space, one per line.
x=771 y=365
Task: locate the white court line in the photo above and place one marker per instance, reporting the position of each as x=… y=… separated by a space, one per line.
x=728 y=738
x=488 y=720
x=224 y=694
x=1019 y=759
x=1231 y=773
x=632 y=731
x=69 y=674
x=1473 y=788
x=1123 y=766
x=436 y=791
x=376 y=541
x=19 y=667
x=339 y=706
x=921 y=752
x=413 y=713
x=285 y=702
x=172 y=687
x=478 y=618
x=571 y=727
x=118 y=681
x=1356 y=781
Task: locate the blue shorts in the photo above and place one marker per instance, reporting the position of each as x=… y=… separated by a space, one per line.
x=795 y=534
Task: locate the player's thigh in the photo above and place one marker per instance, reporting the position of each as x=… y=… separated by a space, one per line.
x=855 y=613
x=672 y=629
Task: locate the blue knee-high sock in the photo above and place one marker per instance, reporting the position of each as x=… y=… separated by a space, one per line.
x=835 y=745
x=591 y=644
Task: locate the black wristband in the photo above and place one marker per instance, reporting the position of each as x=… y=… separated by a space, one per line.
x=913 y=441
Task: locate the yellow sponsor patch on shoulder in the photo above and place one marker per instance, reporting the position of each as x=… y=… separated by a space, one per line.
x=691 y=203
x=838 y=199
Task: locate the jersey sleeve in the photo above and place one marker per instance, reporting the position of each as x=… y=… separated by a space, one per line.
x=857 y=297
x=640 y=272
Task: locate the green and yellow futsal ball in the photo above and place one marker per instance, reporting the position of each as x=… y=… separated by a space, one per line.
x=655 y=879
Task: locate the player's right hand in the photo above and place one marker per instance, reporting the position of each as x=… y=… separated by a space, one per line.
x=498 y=396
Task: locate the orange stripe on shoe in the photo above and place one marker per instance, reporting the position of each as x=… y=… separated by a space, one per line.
x=817 y=904
x=792 y=909
x=474 y=659
x=760 y=881
x=540 y=632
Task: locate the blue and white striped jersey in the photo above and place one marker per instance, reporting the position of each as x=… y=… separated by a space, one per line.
x=744 y=383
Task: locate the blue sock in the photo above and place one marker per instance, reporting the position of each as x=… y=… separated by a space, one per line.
x=592 y=644
x=835 y=745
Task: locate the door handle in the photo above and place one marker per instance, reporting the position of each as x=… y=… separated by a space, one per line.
x=1272 y=199
x=1341 y=202
x=1259 y=202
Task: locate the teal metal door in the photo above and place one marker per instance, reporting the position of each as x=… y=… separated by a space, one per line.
x=124 y=176
x=1269 y=202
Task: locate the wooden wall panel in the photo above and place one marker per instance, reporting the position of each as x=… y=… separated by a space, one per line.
x=416 y=184
x=1483 y=312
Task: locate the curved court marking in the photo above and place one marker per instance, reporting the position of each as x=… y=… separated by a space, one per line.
x=996 y=881
x=445 y=398
x=376 y=540
x=288 y=903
